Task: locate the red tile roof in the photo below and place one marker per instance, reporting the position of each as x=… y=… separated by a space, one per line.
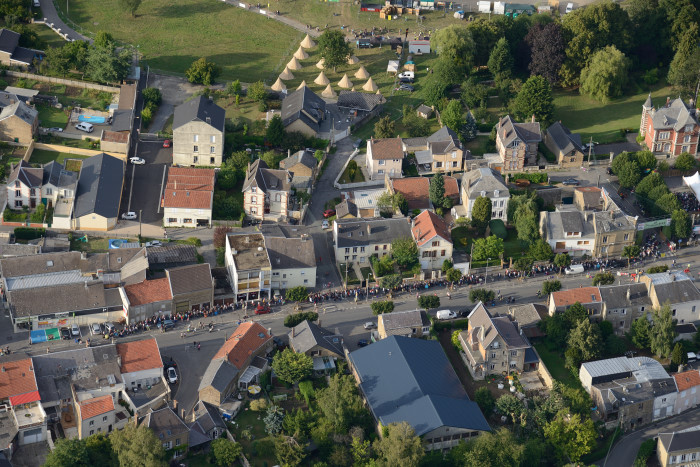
x=96 y=406
x=17 y=378
x=189 y=188
x=139 y=355
x=687 y=379
x=427 y=225
x=245 y=340
x=25 y=398
x=387 y=149
x=581 y=295
x=149 y=291
x=416 y=190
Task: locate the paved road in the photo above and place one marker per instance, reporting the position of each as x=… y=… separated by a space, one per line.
x=625 y=451
x=48 y=9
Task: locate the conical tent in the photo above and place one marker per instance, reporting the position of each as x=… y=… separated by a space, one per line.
x=320 y=63
x=353 y=60
x=294 y=64
x=379 y=93
x=303 y=83
x=286 y=74
x=345 y=82
x=328 y=92
x=321 y=79
x=301 y=53
x=279 y=86
x=307 y=43
x=353 y=89
x=361 y=73
x=370 y=86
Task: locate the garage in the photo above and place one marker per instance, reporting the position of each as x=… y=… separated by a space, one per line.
x=33 y=436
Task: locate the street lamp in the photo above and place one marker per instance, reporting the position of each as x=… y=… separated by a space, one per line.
x=487 y=270
x=369 y=274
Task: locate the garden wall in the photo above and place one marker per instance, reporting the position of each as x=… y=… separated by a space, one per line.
x=67 y=82
x=70 y=150
x=543 y=372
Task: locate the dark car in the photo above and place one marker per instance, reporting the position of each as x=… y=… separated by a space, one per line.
x=465 y=312
x=405 y=80
x=65 y=334
x=362 y=343
x=609 y=171
x=405 y=87
x=167 y=324
x=570 y=181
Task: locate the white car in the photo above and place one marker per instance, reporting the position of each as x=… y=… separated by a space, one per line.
x=325 y=225
x=369 y=325
x=172 y=375
x=108 y=327
x=95 y=329
x=154 y=243
x=445 y=314
x=75 y=330
x=137 y=161
x=129 y=216
x=407 y=74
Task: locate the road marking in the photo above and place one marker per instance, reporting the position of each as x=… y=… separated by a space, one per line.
x=162 y=186
x=131 y=189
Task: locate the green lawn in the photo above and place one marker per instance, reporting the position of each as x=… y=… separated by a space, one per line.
x=345 y=178
x=42 y=156
x=480 y=145
x=603 y=122
x=47 y=34
x=462 y=239
x=50 y=117
x=555 y=364
x=171 y=34
x=247 y=419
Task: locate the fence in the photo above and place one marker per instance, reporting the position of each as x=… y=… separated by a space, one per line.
x=66 y=82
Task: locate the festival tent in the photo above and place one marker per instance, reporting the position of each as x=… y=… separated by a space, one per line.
x=286 y=74
x=301 y=53
x=370 y=86
x=294 y=64
x=307 y=43
x=321 y=79
x=361 y=73
x=345 y=82
x=328 y=92
x=279 y=86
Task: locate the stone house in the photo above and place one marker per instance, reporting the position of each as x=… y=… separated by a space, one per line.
x=96 y=415
x=303 y=111
x=588 y=198
x=384 y=157
x=676 y=289
x=589 y=297
x=517 y=143
x=171 y=431
x=403 y=323
x=624 y=304
x=679 y=448
x=613 y=231
x=355 y=240
x=302 y=165
x=321 y=344
x=569 y=231
x=688 y=385
x=432 y=236
x=10 y=52
x=485 y=183
x=192 y=287
x=29 y=186
x=441 y=152
x=293 y=261
x=266 y=192
x=423 y=111
x=198 y=133
x=493 y=344
x=566 y=146
x=98 y=194
x=671 y=129
x=18 y=121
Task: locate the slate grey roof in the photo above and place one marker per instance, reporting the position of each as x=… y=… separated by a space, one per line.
x=21 y=110
x=303 y=157
x=528 y=314
x=509 y=131
x=99 y=186
x=411 y=380
x=197 y=436
x=290 y=253
x=171 y=254
x=8 y=40
x=484 y=179
x=677 y=292
x=25 y=173
x=686 y=328
x=303 y=104
x=358 y=232
x=648 y=103
x=564 y=141
x=218 y=375
x=344 y=208
x=9 y=250
x=121 y=120
x=164 y=421
x=24 y=55
x=405 y=319
x=424 y=109
x=359 y=100
x=443 y=140
x=52 y=173
x=492 y=326
x=264 y=178
x=646 y=368
x=188 y=279
x=208 y=416
x=615 y=296
x=307 y=335
x=87 y=368
x=674 y=116
x=71 y=297
x=681 y=440
x=199 y=109
x=560 y=222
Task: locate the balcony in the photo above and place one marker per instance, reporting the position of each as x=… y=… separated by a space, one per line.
x=29 y=416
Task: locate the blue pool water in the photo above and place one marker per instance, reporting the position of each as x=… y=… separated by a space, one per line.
x=83 y=118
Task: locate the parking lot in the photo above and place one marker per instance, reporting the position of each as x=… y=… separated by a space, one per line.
x=143 y=183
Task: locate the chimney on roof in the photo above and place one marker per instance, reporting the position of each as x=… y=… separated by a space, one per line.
x=289 y=153
x=83 y=255
x=3 y=369
x=209 y=120
x=294 y=331
x=533 y=118
x=629 y=293
x=369 y=229
x=668 y=101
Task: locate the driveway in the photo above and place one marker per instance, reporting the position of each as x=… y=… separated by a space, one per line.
x=48 y=9
x=630 y=145
x=143 y=183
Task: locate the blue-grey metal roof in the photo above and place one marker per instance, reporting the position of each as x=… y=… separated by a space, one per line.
x=201 y=109
x=45 y=280
x=406 y=379
x=100 y=186
x=531 y=356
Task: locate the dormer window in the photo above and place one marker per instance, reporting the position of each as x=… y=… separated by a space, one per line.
x=482 y=194
x=254 y=190
x=495 y=193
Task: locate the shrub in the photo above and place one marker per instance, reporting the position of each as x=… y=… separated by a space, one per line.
x=28 y=233
x=194 y=241
x=657 y=269
x=292 y=320
x=37 y=216
x=498 y=228
x=384 y=306
x=258 y=405
x=12 y=216
x=645 y=451
x=306 y=389
x=428 y=301
x=481 y=295
x=535 y=177
x=603 y=278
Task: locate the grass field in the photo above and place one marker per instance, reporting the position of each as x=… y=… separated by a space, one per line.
x=50 y=117
x=555 y=364
x=41 y=156
x=603 y=122
x=171 y=34
x=46 y=34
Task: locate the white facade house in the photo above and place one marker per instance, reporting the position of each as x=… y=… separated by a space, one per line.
x=433 y=239
x=688 y=384
x=485 y=183
x=384 y=158
x=676 y=289
x=293 y=261
x=248 y=266
x=572 y=232
x=140 y=362
x=188 y=198
x=356 y=240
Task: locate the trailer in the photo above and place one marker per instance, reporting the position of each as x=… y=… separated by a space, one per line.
x=484 y=6
x=499 y=8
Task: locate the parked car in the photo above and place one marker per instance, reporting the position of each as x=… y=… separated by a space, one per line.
x=153 y=243
x=574 y=269
x=405 y=87
x=446 y=314
x=172 y=375
x=570 y=181
x=369 y=325
x=129 y=216
x=85 y=126
x=262 y=309
x=95 y=329
x=74 y=330
x=405 y=80
x=109 y=327
x=569 y=7
x=137 y=161
x=65 y=334
x=56 y=129
x=329 y=213
x=36 y=4
x=166 y=143
x=362 y=343
x=325 y=225
x=407 y=74
x=357 y=143
x=167 y=324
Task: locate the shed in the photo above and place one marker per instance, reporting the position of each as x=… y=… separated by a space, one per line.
x=393 y=66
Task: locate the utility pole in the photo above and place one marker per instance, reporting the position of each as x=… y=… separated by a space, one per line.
x=140 y=224
x=590 y=150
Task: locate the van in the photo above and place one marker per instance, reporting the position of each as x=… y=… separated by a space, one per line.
x=85 y=126
x=446 y=314
x=36 y=4
x=574 y=269
x=569 y=7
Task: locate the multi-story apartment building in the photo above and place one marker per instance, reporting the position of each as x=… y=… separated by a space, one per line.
x=517 y=143
x=672 y=129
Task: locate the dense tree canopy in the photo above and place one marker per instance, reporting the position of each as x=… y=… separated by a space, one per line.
x=606 y=74
x=333 y=48
x=546 y=51
x=535 y=98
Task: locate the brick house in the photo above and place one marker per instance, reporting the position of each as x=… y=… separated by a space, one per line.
x=266 y=192
x=384 y=157
x=516 y=143
x=671 y=129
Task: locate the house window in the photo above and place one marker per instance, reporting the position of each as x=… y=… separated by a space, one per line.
x=253 y=210
x=627 y=236
x=172 y=220
x=605 y=239
x=693 y=310
x=18 y=203
x=18 y=193
x=347 y=250
x=382 y=162
x=442 y=253
x=196 y=138
x=664 y=135
x=354 y=249
x=436 y=243
x=186 y=221
x=195 y=159
x=492 y=366
x=438 y=165
x=688 y=128
x=16 y=184
x=384 y=247
x=673 y=312
x=254 y=190
x=454 y=163
x=212 y=139
x=514 y=353
x=92 y=432
x=354 y=257
x=376 y=247
x=253 y=199
x=380 y=172
x=212 y=160
x=32 y=192
x=306 y=281
x=512 y=365
x=493 y=355
x=195 y=149
x=49 y=191
x=685 y=148
x=92 y=422
x=177 y=440
x=104 y=419
x=686 y=139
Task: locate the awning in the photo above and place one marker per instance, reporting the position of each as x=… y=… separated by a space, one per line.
x=249 y=375
x=694 y=183
x=25 y=398
x=531 y=356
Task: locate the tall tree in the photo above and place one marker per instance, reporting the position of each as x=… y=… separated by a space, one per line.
x=541 y=250
x=340 y=403
x=640 y=332
x=384 y=128
x=288 y=451
x=662 y=332
x=202 y=71
x=400 y=446
x=106 y=66
x=274 y=417
x=510 y=406
x=650 y=32
x=499 y=448
x=682 y=225
x=535 y=98
x=685 y=162
x=501 y=61
x=679 y=355
x=292 y=367
x=405 y=252
x=572 y=436
x=484 y=33
x=629 y=174
x=481 y=213
x=137 y=446
x=562 y=260
x=333 y=48
x=489 y=247
x=68 y=453
x=453 y=116
x=275 y=131
x=100 y=452
x=225 y=451
x=605 y=76
x=436 y=190
x=455 y=45
x=131 y=6
x=586 y=339
x=546 y=51
x=683 y=71
x=526 y=225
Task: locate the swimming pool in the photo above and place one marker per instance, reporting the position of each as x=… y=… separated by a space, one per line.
x=89 y=119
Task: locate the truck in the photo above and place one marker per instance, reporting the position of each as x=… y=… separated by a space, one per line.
x=445 y=314
x=574 y=269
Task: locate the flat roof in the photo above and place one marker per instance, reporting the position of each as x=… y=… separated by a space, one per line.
x=250 y=251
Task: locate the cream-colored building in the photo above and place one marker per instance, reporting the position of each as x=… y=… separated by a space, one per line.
x=188 y=198
x=433 y=239
x=680 y=448
x=248 y=266
x=266 y=192
x=356 y=240
x=18 y=122
x=292 y=262
x=403 y=323
x=198 y=133
x=565 y=146
x=384 y=158
x=99 y=193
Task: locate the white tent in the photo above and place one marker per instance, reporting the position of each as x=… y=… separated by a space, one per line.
x=320 y=63
x=303 y=83
x=345 y=82
x=393 y=66
x=370 y=86
x=321 y=79
x=362 y=73
x=353 y=60
x=328 y=92
x=278 y=86
x=693 y=182
x=286 y=74
x=307 y=43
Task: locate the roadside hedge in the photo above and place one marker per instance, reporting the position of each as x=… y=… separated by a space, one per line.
x=297 y=318
x=28 y=233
